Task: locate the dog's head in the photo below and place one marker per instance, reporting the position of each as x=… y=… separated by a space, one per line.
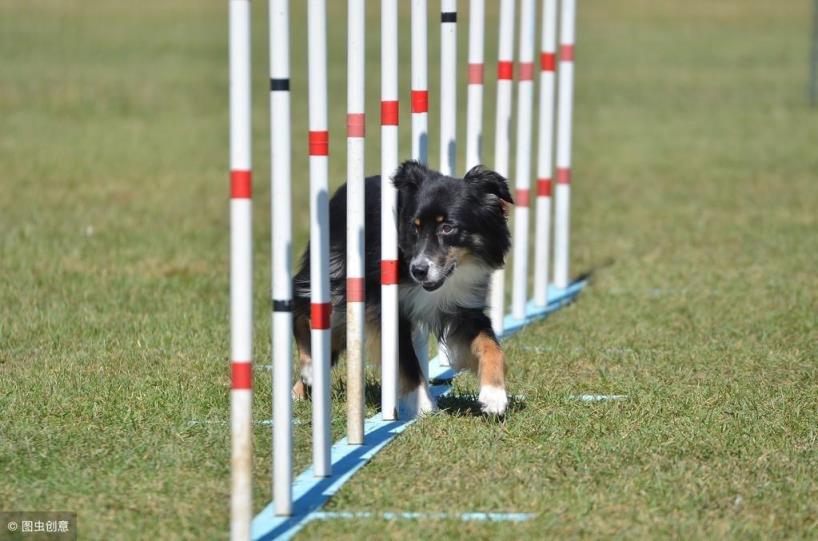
x=445 y=221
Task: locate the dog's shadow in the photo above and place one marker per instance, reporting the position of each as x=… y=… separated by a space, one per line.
x=460 y=404
x=372 y=391
x=466 y=404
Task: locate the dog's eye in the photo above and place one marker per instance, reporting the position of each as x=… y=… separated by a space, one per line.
x=446 y=229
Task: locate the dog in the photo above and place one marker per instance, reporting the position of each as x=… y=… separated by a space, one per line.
x=452 y=234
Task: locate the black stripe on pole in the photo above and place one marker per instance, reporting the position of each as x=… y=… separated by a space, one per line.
x=282 y=306
x=448 y=17
x=279 y=85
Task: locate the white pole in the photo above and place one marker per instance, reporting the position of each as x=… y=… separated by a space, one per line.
x=448 y=86
x=319 y=236
x=420 y=88
x=545 y=146
x=356 y=127
x=474 y=107
x=389 y=204
x=502 y=136
x=522 y=162
x=420 y=132
x=448 y=106
x=565 y=106
x=241 y=274
x=281 y=202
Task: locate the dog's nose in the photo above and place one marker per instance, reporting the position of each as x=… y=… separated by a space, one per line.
x=419 y=270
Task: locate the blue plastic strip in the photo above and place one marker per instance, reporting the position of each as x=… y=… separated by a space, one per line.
x=462 y=517
x=599 y=397
x=310 y=493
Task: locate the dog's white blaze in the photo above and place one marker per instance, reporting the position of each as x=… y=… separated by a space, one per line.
x=465 y=288
x=493 y=400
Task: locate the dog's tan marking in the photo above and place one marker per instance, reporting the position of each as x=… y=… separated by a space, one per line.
x=491 y=365
x=439 y=218
x=417 y=222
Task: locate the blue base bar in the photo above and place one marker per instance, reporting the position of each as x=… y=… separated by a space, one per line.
x=310 y=493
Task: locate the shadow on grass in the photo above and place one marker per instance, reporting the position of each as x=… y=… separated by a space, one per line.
x=372 y=391
x=467 y=404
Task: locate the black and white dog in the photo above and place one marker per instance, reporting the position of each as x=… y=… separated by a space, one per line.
x=452 y=233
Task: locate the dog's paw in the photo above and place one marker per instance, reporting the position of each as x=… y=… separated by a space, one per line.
x=306 y=374
x=417 y=402
x=300 y=391
x=493 y=400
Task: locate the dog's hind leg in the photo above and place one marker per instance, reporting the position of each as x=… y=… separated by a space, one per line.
x=415 y=398
x=301 y=332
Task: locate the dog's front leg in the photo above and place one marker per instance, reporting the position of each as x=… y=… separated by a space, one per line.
x=491 y=373
x=414 y=389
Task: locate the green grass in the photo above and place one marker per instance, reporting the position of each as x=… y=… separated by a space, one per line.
x=694 y=204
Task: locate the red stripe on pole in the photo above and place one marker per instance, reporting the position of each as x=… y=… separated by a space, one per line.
x=548 y=61
x=544 y=187
x=389 y=272
x=521 y=197
x=526 y=71
x=241 y=375
x=355 y=290
x=420 y=101
x=241 y=184
x=566 y=53
x=563 y=175
x=319 y=143
x=356 y=125
x=389 y=113
x=475 y=74
x=505 y=70
x=320 y=315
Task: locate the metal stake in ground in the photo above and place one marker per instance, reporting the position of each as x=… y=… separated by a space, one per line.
x=356 y=127
x=389 y=204
x=282 y=293
x=562 y=216
x=241 y=273
x=502 y=139
x=545 y=144
x=522 y=161
x=320 y=313
x=813 y=80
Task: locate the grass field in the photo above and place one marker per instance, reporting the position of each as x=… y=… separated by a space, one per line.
x=695 y=206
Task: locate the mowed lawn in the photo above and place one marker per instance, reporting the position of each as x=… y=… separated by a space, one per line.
x=695 y=207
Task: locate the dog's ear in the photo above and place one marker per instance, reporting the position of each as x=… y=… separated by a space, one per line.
x=410 y=175
x=489 y=181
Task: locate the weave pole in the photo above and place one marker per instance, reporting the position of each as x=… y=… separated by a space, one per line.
x=321 y=308
x=241 y=274
x=522 y=162
x=420 y=85
x=282 y=239
x=356 y=130
x=474 y=104
x=448 y=86
x=565 y=105
x=420 y=133
x=502 y=140
x=389 y=205
x=542 y=245
x=448 y=106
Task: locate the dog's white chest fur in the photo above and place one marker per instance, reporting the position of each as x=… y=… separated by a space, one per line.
x=465 y=288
